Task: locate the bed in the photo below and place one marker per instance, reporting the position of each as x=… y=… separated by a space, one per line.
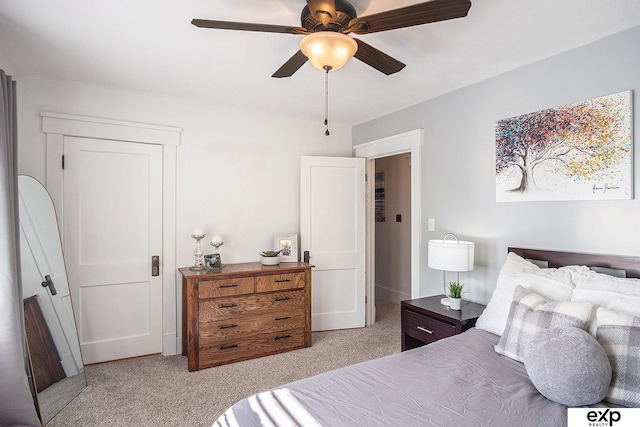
x=503 y=372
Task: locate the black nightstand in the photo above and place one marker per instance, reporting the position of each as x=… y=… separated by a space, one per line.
x=425 y=320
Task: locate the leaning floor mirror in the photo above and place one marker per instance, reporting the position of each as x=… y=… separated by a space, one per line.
x=52 y=339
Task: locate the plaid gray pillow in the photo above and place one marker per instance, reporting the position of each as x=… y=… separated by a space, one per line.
x=619 y=335
x=531 y=313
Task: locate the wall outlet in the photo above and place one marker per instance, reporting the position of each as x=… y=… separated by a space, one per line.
x=431 y=224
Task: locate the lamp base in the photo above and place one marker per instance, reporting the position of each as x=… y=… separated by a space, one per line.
x=445 y=301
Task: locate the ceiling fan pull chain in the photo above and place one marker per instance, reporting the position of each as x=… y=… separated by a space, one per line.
x=326 y=99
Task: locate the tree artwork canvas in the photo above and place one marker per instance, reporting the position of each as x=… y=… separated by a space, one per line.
x=580 y=151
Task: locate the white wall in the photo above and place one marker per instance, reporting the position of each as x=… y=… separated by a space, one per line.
x=393 y=239
x=237 y=172
x=5 y=64
x=458 y=162
x=237 y=169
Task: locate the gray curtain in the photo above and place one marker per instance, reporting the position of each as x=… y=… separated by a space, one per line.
x=16 y=403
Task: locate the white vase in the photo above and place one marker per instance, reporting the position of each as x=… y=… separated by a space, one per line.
x=270 y=260
x=455 y=303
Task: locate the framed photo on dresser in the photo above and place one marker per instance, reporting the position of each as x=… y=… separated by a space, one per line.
x=288 y=245
x=213 y=262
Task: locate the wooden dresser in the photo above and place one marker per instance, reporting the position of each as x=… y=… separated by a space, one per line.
x=244 y=311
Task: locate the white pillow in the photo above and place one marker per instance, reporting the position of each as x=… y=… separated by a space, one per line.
x=619 y=335
x=554 y=284
x=610 y=292
x=531 y=313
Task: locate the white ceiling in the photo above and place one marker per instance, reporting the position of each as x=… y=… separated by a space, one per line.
x=150 y=46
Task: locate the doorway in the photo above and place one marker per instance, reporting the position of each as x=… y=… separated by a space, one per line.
x=405 y=143
x=58 y=126
x=392 y=204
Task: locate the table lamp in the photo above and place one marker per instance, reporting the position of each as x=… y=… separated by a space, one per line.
x=450 y=255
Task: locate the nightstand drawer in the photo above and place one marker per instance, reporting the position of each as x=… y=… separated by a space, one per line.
x=426 y=329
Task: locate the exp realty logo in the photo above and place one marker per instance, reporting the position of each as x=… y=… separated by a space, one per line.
x=603 y=417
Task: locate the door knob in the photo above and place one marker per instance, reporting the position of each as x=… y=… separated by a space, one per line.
x=155 y=265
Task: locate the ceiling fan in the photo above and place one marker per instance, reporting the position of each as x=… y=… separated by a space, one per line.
x=339 y=16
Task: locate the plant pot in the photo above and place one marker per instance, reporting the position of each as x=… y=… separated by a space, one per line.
x=455 y=303
x=270 y=260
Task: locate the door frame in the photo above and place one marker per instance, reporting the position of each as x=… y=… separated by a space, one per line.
x=58 y=126
x=407 y=142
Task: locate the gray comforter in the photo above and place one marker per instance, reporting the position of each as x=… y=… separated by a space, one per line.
x=458 y=381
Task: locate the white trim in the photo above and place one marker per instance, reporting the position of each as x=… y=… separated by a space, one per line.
x=171 y=322
x=408 y=142
x=91 y=127
x=57 y=126
x=391 y=145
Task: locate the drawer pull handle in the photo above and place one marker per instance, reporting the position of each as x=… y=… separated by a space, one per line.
x=283 y=299
x=281 y=337
x=227 y=305
x=425 y=330
x=283 y=318
x=227 y=347
x=233 y=285
x=282 y=280
x=228 y=326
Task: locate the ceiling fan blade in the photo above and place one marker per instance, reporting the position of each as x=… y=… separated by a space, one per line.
x=417 y=14
x=377 y=59
x=291 y=66
x=323 y=10
x=245 y=26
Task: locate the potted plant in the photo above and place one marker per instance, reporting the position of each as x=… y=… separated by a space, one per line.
x=270 y=257
x=455 y=295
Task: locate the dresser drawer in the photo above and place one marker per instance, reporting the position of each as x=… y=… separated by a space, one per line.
x=279 y=282
x=228 y=307
x=225 y=287
x=241 y=326
x=426 y=329
x=248 y=347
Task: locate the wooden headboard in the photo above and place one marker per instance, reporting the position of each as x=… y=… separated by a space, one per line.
x=555 y=259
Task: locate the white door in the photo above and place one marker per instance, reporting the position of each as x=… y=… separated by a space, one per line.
x=112 y=226
x=332 y=229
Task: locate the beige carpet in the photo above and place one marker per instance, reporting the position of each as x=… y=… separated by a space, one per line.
x=160 y=391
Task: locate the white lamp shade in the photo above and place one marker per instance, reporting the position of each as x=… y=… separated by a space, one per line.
x=450 y=255
x=328 y=49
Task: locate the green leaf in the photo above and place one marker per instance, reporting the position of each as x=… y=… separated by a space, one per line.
x=455 y=289
x=270 y=254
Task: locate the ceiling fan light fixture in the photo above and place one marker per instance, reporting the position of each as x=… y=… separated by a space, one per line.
x=328 y=49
